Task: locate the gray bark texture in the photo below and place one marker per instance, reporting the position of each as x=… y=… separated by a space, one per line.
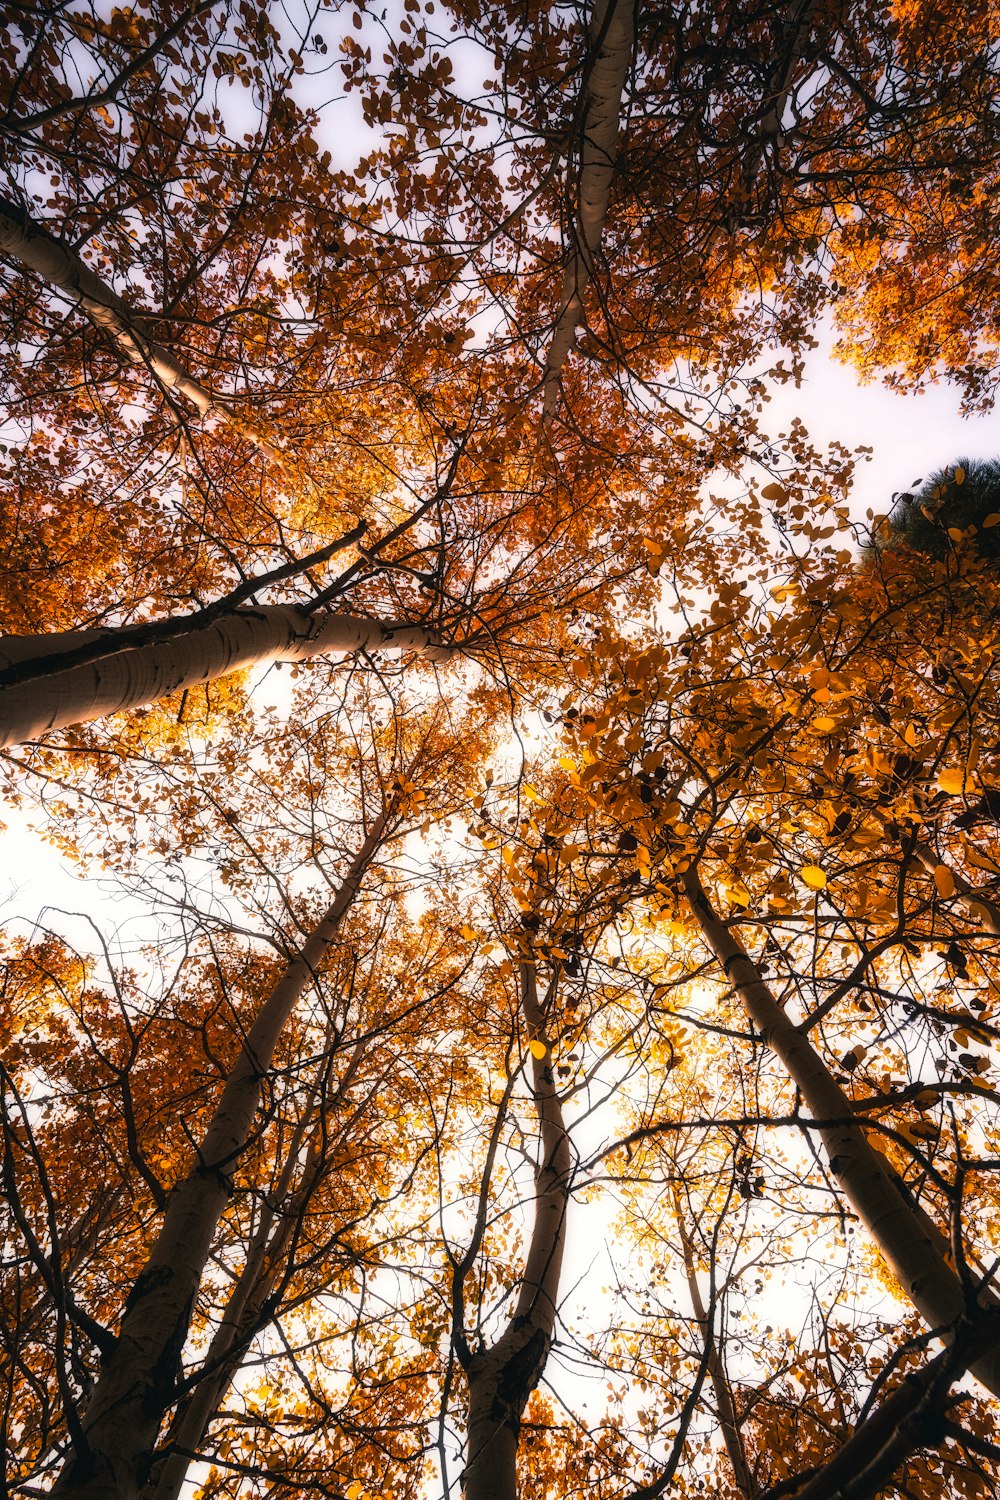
x=244 y=1307
x=137 y=1384
x=128 y=676
x=611 y=32
x=502 y=1378
x=913 y=1246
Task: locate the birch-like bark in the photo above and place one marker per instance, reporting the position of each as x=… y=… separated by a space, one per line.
x=502 y=1378
x=611 y=33
x=29 y=243
x=128 y=676
x=138 y=1380
x=728 y=1421
x=913 y=1246
x=244 y=1306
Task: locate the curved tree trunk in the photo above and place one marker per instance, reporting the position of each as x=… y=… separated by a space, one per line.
x=29 y=243
x=611 y=33
x=138 y=1379
x=502 y=1378
x=910 y=1242
x=127 y=675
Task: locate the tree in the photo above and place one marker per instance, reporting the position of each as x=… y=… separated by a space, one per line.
x=960 y=498
x=715 y=957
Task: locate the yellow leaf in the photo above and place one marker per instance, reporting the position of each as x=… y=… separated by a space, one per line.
x=982 y=861
x=651 y=545
x=469 y=933
x=956 y=533
x=538 y=1050
x=951 y=780
x=959 y=475
x=945 y=881
x=813 y=876
x=993 y=519
x=823 y=724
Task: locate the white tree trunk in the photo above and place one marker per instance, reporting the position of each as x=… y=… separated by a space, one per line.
x=598 y=155
x=127 y=676
x=137 y=1381
x=502 y=1378
x=29 y=243
x=913 y=1246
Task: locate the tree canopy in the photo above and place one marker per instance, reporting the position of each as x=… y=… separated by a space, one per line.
x=533 y=1025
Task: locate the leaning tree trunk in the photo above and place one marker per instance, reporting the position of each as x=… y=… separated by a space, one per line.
x=244 y=1312
x=912 y=1417
x=910 y=1242
x=611 y=29
x=502 y=1378
x=48 y=681
x=978 y=901
x=137 y=1383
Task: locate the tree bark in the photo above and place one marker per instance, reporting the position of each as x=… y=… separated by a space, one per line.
x=728 y=1421
x=244 y=1308
x=904 y=1422
x=611 y=33
x=125 y=676
x=502 y=1378
x=28 y=242
x=910 y=1242
x=138 y=1380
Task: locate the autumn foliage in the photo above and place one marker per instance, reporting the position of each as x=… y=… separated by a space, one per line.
x=529 y=1025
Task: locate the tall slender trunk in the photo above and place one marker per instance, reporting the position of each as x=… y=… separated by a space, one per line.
x=728 y=1421
x=502 y=1378
x=138 y=1380
x=125 y=675
x=25 y=240
x=244 y=1307
x=910 y=1242
x=611 y=33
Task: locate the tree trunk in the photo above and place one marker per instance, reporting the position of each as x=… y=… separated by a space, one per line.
x=728 y=1421
x=29 y=243
x=138 y=1380
x=244 y=1306
x=910 y=1242
x=501 y=1379
x=127 y=675
x=611 y=34
x=905 y=1421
